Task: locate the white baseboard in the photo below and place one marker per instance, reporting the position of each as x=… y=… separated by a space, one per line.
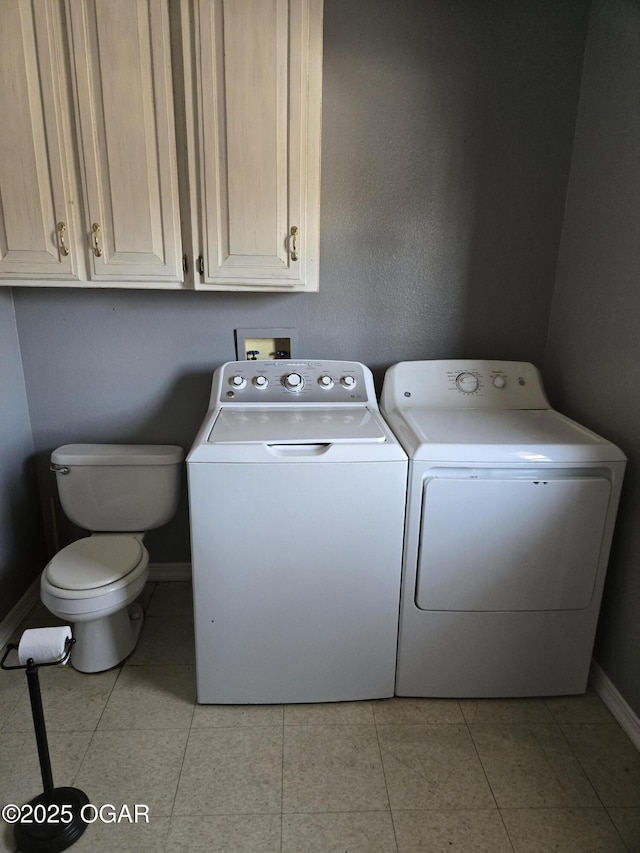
x=169 y=571
x=616 y=703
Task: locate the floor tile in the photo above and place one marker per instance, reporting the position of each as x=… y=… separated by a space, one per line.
x=588 y=708
x=133 y=767
x=406 y=711
x=151 y=697
x=332 y=768
x=469 y=831
x=569 y=830
x=505 y=711
x=610 y=760
x=171 y=598
x=329 y=713
x=7 y=842
x=627 y=822
x=13 y=684
x=146 y=595
x=246 y=833
x=164 y=640
x=433 y=767
x=231 y=771
x=141 y=837
x=223 y=716
x=355 y=832
x=383 y=776
x=532 y=767
x=20 y=776
x=71 y=700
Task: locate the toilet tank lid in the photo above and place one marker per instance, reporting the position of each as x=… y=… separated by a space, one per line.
x=117 y=454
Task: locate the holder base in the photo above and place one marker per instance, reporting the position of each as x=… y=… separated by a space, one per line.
x=49 y=837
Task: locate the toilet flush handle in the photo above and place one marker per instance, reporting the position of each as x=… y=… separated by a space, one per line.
x=59 y=469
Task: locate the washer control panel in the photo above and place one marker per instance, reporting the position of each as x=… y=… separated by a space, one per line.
x=269 y=382
x=464 y=383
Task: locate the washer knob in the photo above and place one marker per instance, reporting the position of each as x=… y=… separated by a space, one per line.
x=348 y=381
x=325 y=381
x=260 y=382
x=293 y=381
x=499 y=381
x=467 y=382
x=238 y=382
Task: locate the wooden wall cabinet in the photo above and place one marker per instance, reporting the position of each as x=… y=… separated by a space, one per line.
x=93 y=191
x=38 y=195
x=121 y=52
x=256 y=142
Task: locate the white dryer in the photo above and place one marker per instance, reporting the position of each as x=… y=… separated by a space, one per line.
x=510 y=513
x=297 y=493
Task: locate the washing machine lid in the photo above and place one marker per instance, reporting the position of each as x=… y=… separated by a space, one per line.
x=511 y=436
x=297 y=425
x=94 y=561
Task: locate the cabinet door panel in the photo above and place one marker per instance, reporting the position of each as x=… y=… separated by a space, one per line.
x=258 y=151
x=123 y=75
x=255 y=61
x=34 y=170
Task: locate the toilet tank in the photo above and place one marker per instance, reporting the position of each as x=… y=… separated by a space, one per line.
x=118 y=487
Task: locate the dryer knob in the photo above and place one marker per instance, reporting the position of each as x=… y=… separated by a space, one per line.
x=238 y=382
x=467 y=382
x=325 y=381
x=260 y=382
x=348 y=381
x=293 y=381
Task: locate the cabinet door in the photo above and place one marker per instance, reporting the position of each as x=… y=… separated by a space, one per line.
x=258 y=112
x=122 y=63
x=37 y=232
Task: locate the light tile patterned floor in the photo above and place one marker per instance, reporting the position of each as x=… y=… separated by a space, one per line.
x=389 y=776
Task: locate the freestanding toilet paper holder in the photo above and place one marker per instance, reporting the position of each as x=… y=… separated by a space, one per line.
x=52 y=821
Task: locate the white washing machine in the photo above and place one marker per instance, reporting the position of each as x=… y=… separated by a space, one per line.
x=297 y=493
x=510 y=513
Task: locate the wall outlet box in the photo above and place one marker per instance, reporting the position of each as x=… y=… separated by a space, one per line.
x=266 y=344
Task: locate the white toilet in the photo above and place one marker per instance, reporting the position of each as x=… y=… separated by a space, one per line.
x=116 y=491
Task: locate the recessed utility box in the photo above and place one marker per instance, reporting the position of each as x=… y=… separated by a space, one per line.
x=266 y=344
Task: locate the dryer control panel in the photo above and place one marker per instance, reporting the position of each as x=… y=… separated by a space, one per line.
x=463 y=384
x=295 y=382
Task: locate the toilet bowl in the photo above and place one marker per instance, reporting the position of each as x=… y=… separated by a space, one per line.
x=93 y=582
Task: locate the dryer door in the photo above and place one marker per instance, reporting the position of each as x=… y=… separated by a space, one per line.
x=493 y=542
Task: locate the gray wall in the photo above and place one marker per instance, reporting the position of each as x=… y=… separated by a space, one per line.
x=21 y=544
x=593 y=355
x=447 y=133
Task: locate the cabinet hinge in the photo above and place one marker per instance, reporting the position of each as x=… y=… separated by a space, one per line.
x=185 y=264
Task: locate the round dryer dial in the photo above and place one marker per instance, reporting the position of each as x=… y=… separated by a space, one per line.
x=467 y=383
x=348 y=381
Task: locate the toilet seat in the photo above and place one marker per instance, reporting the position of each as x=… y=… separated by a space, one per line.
x=94 y=562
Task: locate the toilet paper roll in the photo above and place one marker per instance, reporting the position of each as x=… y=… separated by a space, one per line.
x=44 y=645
